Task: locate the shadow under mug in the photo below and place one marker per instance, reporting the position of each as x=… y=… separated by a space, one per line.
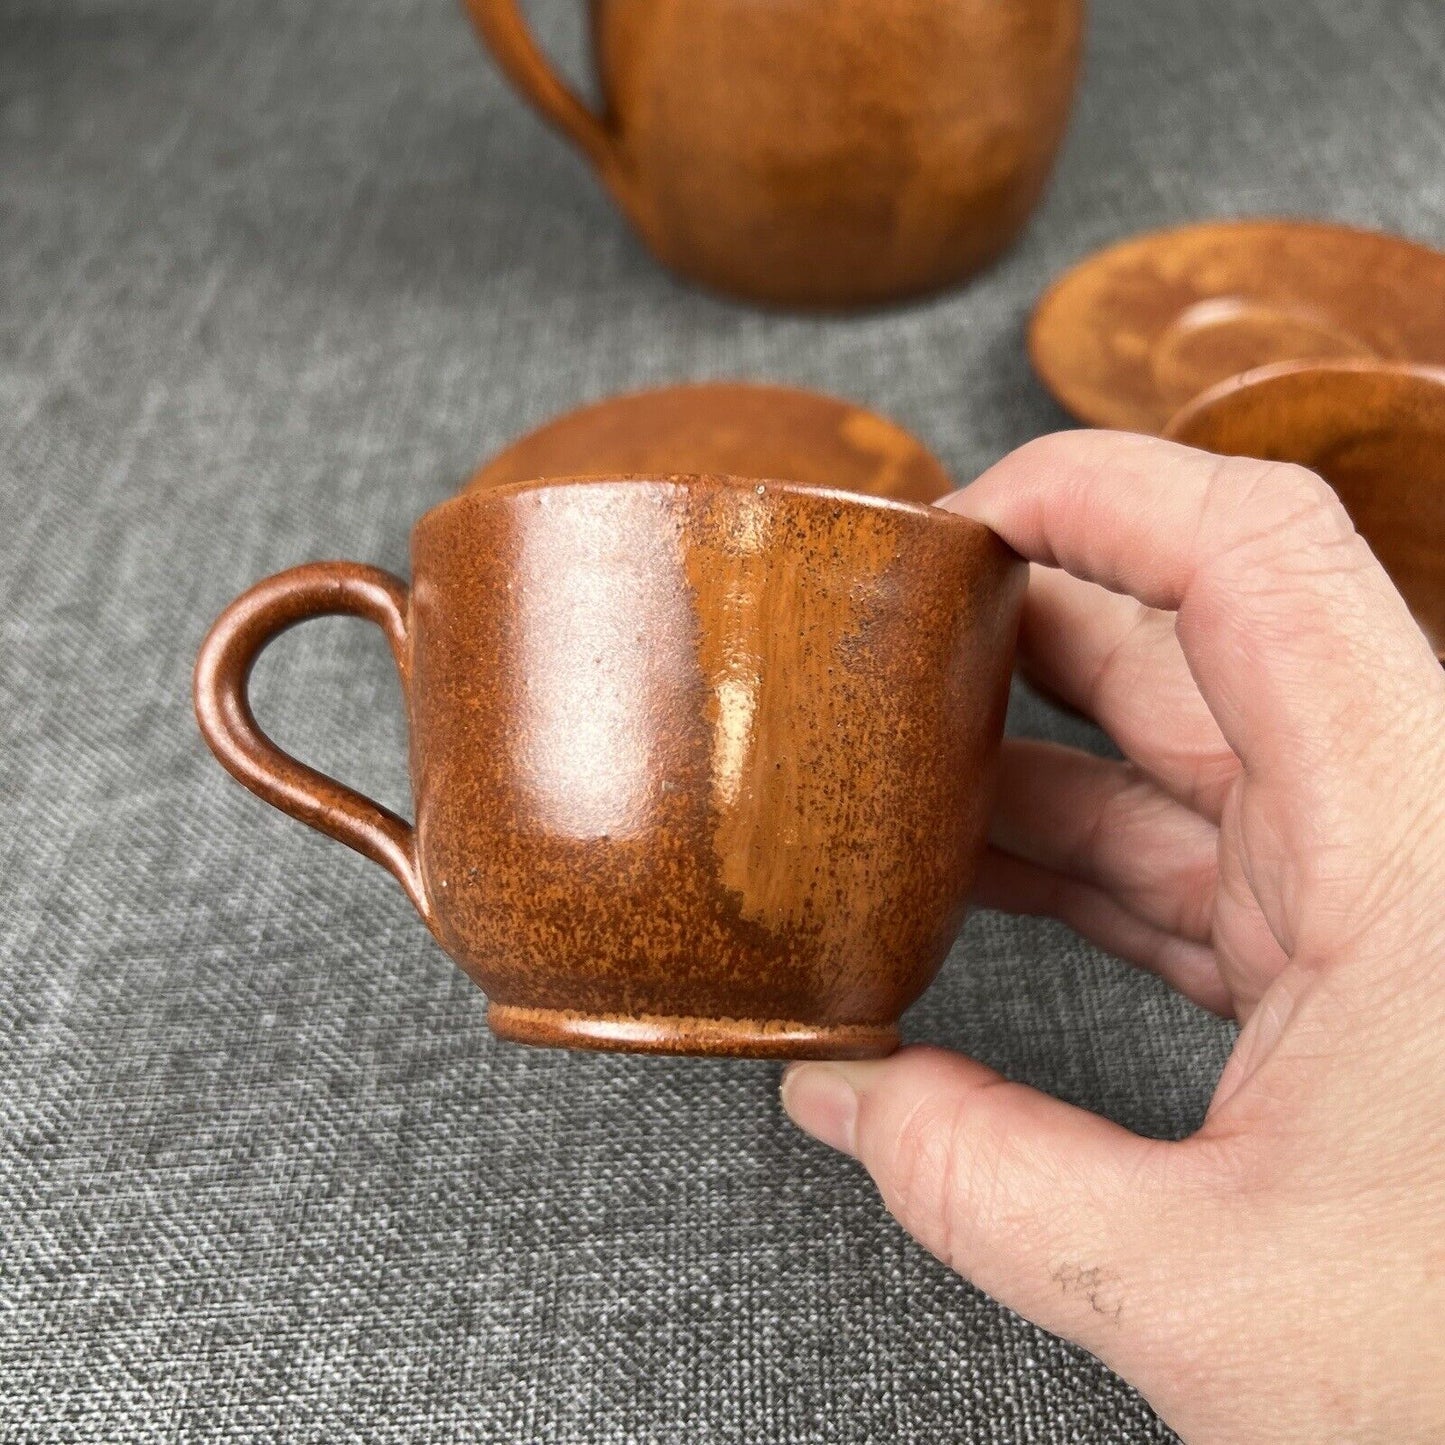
x=699 y=764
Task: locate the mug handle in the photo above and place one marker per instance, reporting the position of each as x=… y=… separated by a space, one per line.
x=223 y=709
x=504 y=32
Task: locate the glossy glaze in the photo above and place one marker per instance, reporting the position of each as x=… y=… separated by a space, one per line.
x=1375 y=433
x=741 y=429
x=815 y=154
x=1132 y=333
x=699 y=765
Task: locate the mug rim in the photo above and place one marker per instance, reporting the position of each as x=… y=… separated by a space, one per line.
x=1427 y=376
x=722 y=481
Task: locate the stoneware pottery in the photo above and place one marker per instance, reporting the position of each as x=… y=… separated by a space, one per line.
x=815 y=154
x=1134 y=332
x=1375 y=433
x=699 y=764
x=739 y=428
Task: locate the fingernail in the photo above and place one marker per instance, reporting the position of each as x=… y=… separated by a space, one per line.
x=821 y=1102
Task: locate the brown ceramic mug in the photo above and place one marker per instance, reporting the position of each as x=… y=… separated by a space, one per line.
x=699 y=765
x=815 y=152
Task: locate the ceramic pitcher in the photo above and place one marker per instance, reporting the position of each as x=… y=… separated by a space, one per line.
x=815 y=152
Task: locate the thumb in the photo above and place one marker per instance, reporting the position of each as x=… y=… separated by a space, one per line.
x=1060 y=1215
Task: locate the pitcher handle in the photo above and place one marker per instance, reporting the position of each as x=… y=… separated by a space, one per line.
x=504 y=30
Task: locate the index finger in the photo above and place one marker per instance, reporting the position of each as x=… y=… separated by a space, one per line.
x=1294 y=635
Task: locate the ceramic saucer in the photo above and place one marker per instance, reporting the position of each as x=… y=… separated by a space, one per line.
x=1375 y=432
x=742 y=429
x=1132 y=333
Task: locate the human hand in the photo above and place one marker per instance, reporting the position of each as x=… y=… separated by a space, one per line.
x=1274 y=847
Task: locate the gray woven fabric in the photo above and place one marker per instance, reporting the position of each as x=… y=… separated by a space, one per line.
x=274 y=274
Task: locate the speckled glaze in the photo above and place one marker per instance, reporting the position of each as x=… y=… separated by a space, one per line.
x=700 y=765
x=809 y=153
x=1134 y=332
x=1375 y=433
x=740 y=428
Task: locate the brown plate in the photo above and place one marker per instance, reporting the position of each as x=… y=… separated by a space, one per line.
x=1375 y=432
x=1132 y=333
x=741 y=429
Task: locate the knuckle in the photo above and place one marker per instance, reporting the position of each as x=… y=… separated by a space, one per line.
x=1124 y=810
x=1304 y=496
x=1115 y=672
x=943 y=1180
x=1283 y=535
x=916 y=1177
x=1214 y=775
x=1190 y=891
x=1175 y=891
x=1275 y=502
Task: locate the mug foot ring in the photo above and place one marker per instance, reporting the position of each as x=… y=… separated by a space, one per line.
x=680 y=1034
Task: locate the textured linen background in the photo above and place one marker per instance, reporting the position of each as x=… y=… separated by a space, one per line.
x=273 y=277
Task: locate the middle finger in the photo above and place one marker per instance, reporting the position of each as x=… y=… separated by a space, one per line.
x=1104 y=823
x=1121 y=664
